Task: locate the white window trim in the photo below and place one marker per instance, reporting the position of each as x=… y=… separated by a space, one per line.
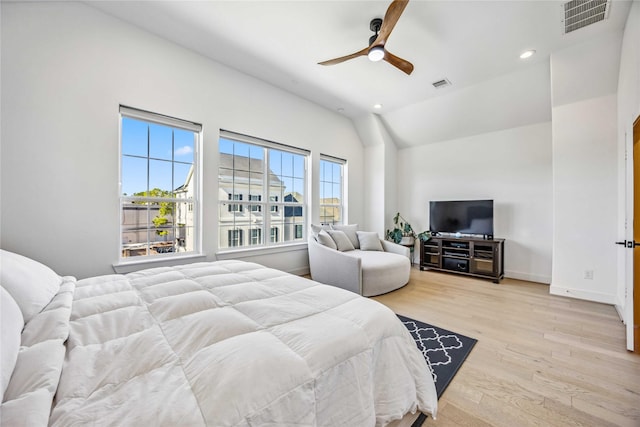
x=133 y=263
x=342 y=205
x=267 y=245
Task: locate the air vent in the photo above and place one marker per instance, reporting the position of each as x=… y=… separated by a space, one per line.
x=580 y=13
x=441 y=83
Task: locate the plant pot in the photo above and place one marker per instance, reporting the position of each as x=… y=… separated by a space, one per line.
x=407 y=240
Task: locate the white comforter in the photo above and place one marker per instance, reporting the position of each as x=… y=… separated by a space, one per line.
x=233 y=343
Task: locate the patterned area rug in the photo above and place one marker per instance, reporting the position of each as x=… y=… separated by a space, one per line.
x=444 y=351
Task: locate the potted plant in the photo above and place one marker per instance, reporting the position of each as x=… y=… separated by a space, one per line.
x=403 y=233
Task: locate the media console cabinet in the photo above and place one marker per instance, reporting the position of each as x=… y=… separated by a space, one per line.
x=470 y=256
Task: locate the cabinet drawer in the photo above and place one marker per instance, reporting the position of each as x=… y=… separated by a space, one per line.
x=482 y=265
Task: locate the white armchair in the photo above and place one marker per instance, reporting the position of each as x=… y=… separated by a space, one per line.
x=367 y=273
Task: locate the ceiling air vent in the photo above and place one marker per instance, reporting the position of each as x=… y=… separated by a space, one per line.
x=580 y=13
x=441 y=83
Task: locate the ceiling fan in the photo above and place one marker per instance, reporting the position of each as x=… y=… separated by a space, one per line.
x=382 y=28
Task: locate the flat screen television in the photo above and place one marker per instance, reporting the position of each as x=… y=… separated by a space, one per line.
x=461 y=216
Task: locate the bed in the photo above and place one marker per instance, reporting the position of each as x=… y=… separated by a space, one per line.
x=226 y=343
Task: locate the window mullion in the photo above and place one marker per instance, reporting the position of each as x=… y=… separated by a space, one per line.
x=266 y=191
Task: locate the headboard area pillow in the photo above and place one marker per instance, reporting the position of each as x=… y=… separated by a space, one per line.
x=31 y=284
x=36 y=307
x=10 y=329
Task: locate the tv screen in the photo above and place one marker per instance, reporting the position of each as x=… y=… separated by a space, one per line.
x=461 y=216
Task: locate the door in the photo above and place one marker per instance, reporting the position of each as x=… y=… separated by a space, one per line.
x=636 y=236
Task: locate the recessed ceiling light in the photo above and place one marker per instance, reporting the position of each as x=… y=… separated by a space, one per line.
x=527 y=54
x=377 y=106
x=340 y=110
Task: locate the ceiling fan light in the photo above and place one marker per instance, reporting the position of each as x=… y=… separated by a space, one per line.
x=376 y=53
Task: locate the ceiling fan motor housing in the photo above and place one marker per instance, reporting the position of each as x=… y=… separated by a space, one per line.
x=375 y=25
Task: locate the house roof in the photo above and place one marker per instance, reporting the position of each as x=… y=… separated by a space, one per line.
x=244 y=168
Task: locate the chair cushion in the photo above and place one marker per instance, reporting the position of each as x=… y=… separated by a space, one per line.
x=325 y=240
x=342 y=241
x=369 y=241
x=316 y=229
x=382 y=272
x=350 y=230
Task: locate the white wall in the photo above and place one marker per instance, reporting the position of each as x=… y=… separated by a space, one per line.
x=585 y=199
x=374 y=218
x=380 y=174
x=628 y=112
x=585 y=170
x=65 y=69
x=512 y=167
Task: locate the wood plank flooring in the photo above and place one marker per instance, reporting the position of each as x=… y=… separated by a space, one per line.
x=540 y=360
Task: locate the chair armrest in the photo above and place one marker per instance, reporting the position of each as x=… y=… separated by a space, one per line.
x=333 y=267
x=395 y=248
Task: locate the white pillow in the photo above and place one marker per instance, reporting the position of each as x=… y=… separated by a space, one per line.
x=30 y=283
x=316 y=229
x=369 y=241
x=342 y=241
x=325 y=240
x=11 y=324
x=350 y=230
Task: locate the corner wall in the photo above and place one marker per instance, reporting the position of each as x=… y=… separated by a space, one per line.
x=380 y=174
x=585 y=170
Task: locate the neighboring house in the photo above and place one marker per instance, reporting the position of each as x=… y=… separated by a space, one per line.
x=176 y=235
x=330 y=210
x=184 y=216
x=245 y=214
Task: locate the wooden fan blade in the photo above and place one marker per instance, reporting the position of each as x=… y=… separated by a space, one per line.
x=345 y=58
x=397 y=62
x=389 y=22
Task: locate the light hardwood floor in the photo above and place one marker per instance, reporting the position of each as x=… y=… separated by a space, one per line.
x=540 y=360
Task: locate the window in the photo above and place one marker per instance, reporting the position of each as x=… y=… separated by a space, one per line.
x=273 y=178
x=331 y=190
x=256 y=236
x=234 y=238
x=159 y=182
x=234 y=207
x=255 y=198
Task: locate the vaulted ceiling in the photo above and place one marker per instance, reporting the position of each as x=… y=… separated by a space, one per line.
x=474 y=44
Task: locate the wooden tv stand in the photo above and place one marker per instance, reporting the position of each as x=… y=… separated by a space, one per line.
x=469 y=256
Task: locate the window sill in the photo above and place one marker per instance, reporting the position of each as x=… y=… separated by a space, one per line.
x=247 y=253
x=129 y=266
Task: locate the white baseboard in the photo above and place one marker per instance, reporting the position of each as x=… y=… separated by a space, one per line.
x=528 y=277
x=582 y=294
x=620 y=311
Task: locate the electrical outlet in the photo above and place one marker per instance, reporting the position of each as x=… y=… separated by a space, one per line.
x=588 y=274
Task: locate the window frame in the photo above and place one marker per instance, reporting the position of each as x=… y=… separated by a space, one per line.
x=265 y=205
x=341 y=207
x=193 y=203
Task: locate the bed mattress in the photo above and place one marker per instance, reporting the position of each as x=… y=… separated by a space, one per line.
x=232 y=343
